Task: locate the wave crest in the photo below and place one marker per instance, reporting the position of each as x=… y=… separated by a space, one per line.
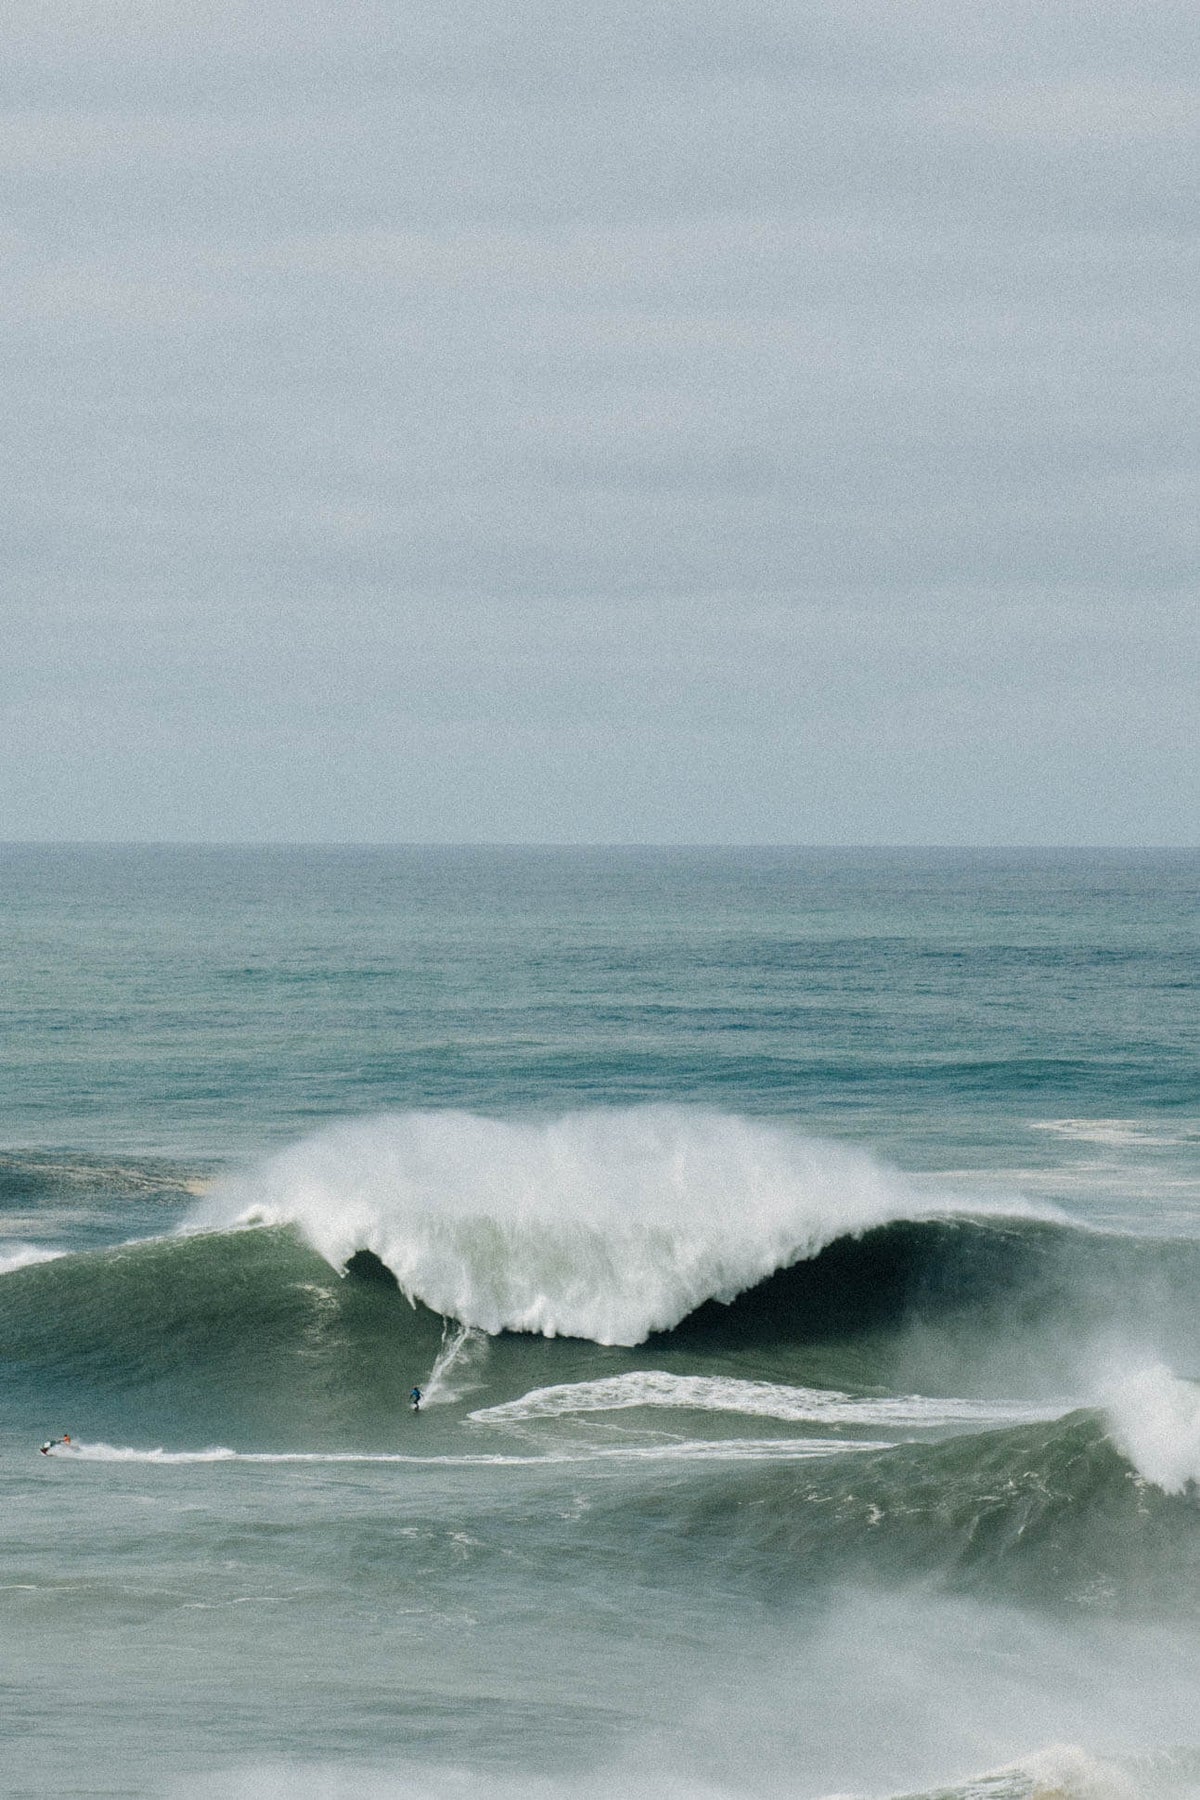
x=608 y=1224
x=1154 y=1420
x=24 y=1256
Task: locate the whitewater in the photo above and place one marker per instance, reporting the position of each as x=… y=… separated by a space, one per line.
x=797 y=1254
x=605 y=1224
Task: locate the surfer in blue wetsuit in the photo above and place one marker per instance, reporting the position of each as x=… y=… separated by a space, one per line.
x=52 y=1443
x=415 y=1397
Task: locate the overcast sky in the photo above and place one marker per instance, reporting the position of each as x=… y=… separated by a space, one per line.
x=647 y=420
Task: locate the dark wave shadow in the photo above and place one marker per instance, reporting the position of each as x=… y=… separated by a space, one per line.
x=1018 y=1272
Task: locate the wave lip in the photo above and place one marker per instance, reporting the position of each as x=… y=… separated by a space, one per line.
x=607 y=1224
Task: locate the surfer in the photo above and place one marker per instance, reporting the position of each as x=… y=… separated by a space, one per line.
x=415 y=1397
x=52 y=1443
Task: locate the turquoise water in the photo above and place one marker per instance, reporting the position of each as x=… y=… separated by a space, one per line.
x=798 y=1252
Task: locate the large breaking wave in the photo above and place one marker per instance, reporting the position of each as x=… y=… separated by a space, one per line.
x=609 y=1225
x=516 y=1265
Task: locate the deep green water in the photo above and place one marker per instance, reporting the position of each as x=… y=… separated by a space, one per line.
x=799 y=1253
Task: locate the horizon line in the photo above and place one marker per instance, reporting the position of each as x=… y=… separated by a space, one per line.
x=573 y=844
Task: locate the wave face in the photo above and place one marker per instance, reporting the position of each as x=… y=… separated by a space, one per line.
x=1045 y=1513
x=607 y=1225
x=207 y=1333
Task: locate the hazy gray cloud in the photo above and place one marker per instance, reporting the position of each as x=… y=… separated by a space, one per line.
x=658 y=421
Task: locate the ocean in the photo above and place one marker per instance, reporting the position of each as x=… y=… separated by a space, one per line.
x=798 y=1252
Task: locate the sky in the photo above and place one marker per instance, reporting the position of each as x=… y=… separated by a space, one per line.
x=640 y=421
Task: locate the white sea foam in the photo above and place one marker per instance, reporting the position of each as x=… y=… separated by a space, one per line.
x=1060 y=1772
x=756 y=1399
x=1154 y=1419
x=686 y=1450
x=23 y=1256
x=607 y=1224
x=1117 y=1132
